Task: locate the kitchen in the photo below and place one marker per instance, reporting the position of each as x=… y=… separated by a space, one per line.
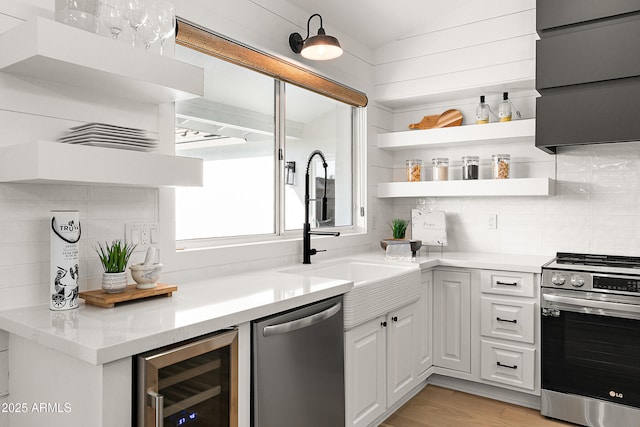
x=594 y=209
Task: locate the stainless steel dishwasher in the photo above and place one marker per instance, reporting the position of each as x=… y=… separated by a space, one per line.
x=298 y=367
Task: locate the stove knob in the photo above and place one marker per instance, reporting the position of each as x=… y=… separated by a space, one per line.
x=557 y=279
x=577 y=281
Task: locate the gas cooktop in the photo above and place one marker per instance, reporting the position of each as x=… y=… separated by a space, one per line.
x=588 y=272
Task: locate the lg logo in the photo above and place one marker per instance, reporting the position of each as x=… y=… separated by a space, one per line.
x=615 y=394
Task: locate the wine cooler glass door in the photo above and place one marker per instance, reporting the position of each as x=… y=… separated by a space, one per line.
x=191 y=385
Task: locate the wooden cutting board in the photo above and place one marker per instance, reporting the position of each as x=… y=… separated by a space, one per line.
x=102 y=299
x=447 y=119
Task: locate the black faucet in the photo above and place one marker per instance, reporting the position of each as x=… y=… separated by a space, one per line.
x=306 y=229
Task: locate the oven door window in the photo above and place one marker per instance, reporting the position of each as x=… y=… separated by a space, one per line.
x=594 y=356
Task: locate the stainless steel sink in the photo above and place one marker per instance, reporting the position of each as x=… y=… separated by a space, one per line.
x=379 y=287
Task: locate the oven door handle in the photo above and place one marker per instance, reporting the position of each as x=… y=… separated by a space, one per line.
x=602 y=305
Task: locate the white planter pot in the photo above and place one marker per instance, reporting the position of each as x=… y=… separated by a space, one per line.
x=112 y=283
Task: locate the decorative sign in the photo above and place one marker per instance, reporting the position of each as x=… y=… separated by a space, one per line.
x=430 y=227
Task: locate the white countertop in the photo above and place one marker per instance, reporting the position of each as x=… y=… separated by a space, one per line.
x=98 y=335
x=101 y=335
x=486 y=261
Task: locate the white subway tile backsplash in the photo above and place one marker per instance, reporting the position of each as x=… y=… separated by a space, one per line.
x=596 y=208
x=24 y=230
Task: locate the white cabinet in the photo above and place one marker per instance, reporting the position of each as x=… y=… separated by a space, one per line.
x=365 y=373
x=424 y=326
x=380 y=358
x=509 y=328
x=508 y=364
x=401 y=352
x=452 y=320
x=507 y=318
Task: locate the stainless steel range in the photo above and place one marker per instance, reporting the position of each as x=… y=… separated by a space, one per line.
x=591 y=339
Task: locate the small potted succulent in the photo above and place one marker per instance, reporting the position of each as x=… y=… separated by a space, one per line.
x=114 y=259
x=399 y=229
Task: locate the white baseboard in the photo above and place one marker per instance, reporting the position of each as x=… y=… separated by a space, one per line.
x=484 y=390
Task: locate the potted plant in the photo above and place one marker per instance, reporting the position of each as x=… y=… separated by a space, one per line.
x=399 y=229
x=114 y=259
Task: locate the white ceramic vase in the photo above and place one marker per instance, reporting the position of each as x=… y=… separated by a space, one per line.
x=112 y=283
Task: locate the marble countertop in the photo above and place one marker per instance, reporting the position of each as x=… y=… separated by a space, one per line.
x=98 y=335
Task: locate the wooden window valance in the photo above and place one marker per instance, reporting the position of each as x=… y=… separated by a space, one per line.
x=202 y=40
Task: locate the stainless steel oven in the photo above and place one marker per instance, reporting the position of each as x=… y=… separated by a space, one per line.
x=591 y=339
x=189 y=384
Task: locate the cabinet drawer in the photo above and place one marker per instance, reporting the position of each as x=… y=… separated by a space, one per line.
x=508 y=319
x=508 y=364
x=507 y=283
x=590 y=55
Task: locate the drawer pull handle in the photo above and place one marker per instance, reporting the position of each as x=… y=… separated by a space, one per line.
x=506 y=283
x=506 y=320
x=394 y=318
x=507 y=366
x=383 y=324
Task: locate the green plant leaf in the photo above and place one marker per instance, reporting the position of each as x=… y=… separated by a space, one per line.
x=114 y=257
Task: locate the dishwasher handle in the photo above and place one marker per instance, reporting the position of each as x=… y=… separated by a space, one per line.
x=294 y=325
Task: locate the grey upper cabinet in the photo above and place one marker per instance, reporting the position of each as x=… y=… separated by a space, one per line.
x=557 y=13
x=587 y=72
x=589 y=55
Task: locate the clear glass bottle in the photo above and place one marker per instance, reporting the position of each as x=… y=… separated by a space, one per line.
x=482 y=112
x=440 y=169
x=413 y=170
x=470 y=167
x=500 y=166
x=504 y=111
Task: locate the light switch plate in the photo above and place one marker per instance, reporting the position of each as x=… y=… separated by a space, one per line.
x=493 y=222
x=143 y=234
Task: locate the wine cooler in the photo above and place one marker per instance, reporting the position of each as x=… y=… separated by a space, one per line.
x=190 y=384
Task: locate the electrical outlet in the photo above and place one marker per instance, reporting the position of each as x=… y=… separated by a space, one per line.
x=493 y=222
x=143 y=234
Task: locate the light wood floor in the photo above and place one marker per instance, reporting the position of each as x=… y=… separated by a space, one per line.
x=441 y=407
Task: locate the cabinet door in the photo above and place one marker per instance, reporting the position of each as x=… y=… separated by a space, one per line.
x=579 y=116
x=452 y=320
x=424 y=317
x=365 y=372
x=401 y=352
x=554 y=13
x=589 y=55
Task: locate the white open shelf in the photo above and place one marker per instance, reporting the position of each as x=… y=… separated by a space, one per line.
x=59 y=163
x=48 y=50
x=469 y=188
x=495 y=133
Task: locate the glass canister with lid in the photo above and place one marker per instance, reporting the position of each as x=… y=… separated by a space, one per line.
x=413 y=169
x=440 y=168
x=500 y=164
x=470 y=167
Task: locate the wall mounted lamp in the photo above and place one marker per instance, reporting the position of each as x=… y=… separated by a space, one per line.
x=320 y=48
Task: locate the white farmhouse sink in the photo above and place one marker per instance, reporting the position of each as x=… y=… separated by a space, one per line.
x=379 y=287
x=358 y=272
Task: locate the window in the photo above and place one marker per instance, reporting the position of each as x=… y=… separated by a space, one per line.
x=254 y=134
